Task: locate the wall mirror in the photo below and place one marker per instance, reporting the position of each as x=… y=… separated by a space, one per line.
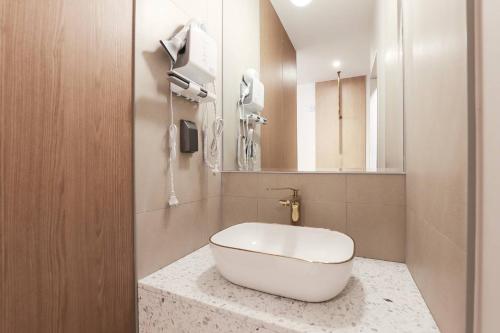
x=313 y=85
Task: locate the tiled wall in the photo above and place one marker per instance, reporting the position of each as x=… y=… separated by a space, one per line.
x=368 y=207
x=165 y=234
x=488 y=164
x=436 y=154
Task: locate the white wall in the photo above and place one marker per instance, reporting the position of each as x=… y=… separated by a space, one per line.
x=241 y=50
x=488 y=236
x=371 y=134
x=306 y=127
x=390 y=84
x=372 y=126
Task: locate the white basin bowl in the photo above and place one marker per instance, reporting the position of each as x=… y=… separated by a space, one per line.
x=307 y=264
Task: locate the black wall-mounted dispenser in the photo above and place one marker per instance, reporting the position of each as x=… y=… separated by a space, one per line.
x=189 y=137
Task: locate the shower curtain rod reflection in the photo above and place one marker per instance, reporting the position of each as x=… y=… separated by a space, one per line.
x=339 y=84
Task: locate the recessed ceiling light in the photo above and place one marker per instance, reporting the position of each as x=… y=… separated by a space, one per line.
x=301 y=3
x=336 y=63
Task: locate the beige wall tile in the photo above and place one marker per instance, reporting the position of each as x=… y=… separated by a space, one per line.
x=488 y=164
x=313 y=187
x=376 y=189
x=191 y=176
x=151 y=63
x=270 y=211
x=274 y=180
x=192 y=182
x=238 y=210
x=150 y=111
x=438 y=267
x=324 y=215
x=436 y=155
x=165 y=235
x=416 y=251
x=323 y=187
x=214 y=215
x=152 y=184
x=378 y=230
x=441 y=199
x=324 y=205
x=240 y=184
x=214 y=183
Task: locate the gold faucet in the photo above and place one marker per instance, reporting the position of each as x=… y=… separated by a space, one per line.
x=293 y=202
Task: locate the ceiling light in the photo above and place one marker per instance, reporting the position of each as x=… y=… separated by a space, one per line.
x=336 y=63
x=301 y=3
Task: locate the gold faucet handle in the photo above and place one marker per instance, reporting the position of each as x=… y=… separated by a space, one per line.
x=295 y=212
x=294 y=190
x=285 y=203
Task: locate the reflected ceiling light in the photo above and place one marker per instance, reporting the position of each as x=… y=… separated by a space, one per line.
x=336 y=63
x=301 y=3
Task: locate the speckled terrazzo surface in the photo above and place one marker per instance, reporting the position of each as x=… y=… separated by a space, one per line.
x=191 y=296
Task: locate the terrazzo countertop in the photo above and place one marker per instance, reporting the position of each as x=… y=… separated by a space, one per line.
x=191 y=296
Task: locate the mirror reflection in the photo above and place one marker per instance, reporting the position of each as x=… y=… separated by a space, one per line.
x=313 y=85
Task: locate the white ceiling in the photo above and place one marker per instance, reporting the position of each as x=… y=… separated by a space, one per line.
x=328 y=30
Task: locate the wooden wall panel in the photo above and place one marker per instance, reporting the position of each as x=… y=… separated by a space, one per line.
x=288 y=123
x=66 y=201
x=279 y=75
x=354 y=124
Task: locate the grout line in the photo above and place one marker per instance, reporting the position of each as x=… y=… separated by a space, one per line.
x=376 y=203
x=435 y=229
x=180 y=205
x=347 y=224
x=303 y=173
x=320 y=201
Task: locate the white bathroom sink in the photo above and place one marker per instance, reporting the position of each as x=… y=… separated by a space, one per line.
x=307 y=264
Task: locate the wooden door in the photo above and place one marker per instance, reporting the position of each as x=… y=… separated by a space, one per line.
x=353 y=124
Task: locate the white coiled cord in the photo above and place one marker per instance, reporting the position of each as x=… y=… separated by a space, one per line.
x=242 y=138
x=211 y=152
x=172 y=144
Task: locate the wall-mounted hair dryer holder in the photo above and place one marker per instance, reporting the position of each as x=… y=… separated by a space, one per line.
x=254 y=118
x=182 y=86
x=193 y=53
